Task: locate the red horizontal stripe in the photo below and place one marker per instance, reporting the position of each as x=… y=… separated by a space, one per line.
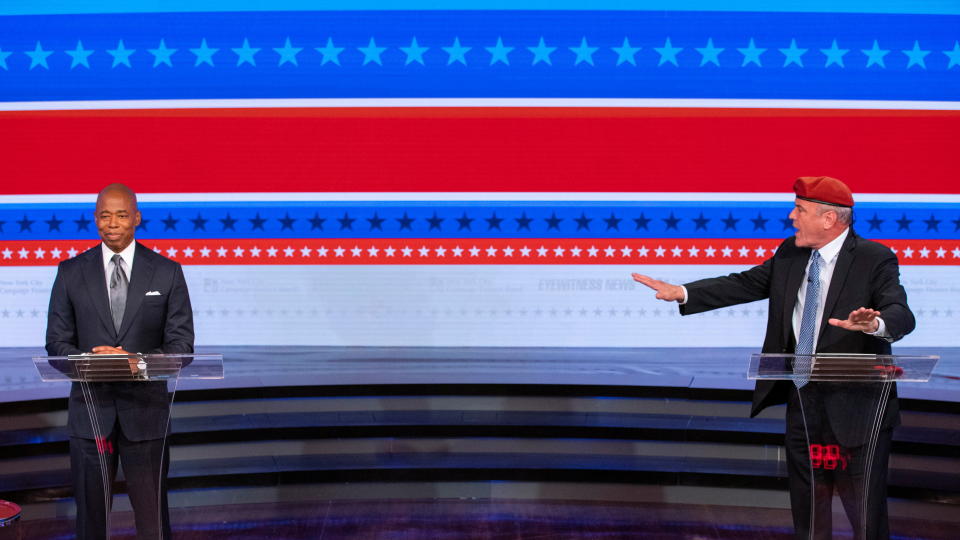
x=446 y=251
x=477 y=150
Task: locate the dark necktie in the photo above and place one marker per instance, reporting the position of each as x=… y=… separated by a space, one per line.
x=118 y=290
x=808 y=322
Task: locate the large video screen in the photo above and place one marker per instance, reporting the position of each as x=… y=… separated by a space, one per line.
x=389 y=173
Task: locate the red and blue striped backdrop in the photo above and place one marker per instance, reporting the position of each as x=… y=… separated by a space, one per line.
x=413 y=173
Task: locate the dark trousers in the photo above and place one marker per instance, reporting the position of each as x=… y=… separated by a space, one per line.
x=145 y=465
x=818 y=466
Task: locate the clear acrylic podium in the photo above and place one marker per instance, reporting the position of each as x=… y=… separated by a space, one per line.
x=844 y=405
x=99 y=376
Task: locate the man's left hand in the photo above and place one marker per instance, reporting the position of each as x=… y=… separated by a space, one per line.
x=106 y=349
x=859 y=320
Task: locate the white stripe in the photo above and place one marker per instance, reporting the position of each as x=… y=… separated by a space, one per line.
x=477 y=102
x=473 y=197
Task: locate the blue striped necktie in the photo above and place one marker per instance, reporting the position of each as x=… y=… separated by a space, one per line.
x=808 y=322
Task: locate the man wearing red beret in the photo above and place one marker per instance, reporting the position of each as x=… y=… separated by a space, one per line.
x=829 y=291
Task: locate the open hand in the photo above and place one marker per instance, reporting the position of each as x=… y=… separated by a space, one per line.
x=859 y=320
x=665 y=291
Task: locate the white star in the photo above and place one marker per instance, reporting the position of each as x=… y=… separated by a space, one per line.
x=55 y=252
x=908 y=252
x=941 y=253
x=288 y=251
x=441 y=251
x=727 y=252
x=508 y=251
x=72 y=252
x=677 y=251
x=305 y=251
x=924 y=252
x=157 y=249
x=255 y=251
x=956 y=253
x=221 y=251
x=541 y=251
x=558 y=251
x=188 y=252
x=894 y=250
x=491 y=251
x=39 y=252
x=406 y=251
x=272 y=251
x=710 y=251
x=356 y=251
x=322 y=251
x=626 y=251
x=204 y=251
x=760 y=251
x=7 y=253
x=744 y=251
x=659 y=251
x=339 y=251
x=575 y=251
x=457 y=251
x=390 y=250
x=643 y=251
x=474 y=251
x=424 y=251
x=609 y=251
x=525 y=251
x=171 y=252
x=372 y=251
x=238 y=251
x=693 y=251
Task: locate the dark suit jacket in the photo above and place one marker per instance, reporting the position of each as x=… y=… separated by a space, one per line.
x=866 y=275
x=79 y=319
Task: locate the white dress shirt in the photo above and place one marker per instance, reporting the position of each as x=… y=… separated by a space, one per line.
x=829 y=254
x=126 y=255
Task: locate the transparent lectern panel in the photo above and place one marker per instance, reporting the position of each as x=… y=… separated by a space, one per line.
x=838 y=433
x=133 y=367
x=127 y=401
x=844 y=367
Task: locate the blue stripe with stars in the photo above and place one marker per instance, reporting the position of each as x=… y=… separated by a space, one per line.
x=599 y=54
x=661 y=219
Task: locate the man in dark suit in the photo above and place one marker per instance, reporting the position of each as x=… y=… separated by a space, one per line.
x=829 y=291
x=117 y=297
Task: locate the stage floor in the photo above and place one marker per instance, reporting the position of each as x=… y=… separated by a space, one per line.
x=448 y=519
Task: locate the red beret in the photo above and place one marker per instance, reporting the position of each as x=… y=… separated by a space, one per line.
x=823 y=189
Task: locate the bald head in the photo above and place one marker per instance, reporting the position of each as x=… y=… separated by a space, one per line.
x=117 y=216
x=118 y=189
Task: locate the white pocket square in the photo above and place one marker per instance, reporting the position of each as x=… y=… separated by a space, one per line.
x=152 y=293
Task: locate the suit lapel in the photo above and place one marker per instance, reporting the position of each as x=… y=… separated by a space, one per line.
x=840 y=272
x=96 y=279
x=795 y=276
x=140 y=278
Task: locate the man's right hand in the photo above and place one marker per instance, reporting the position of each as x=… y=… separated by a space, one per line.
x=665 y=291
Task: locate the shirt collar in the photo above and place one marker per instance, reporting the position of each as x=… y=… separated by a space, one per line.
x=126 y=254
x=832 y=249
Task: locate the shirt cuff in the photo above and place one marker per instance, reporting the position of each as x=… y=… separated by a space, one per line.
x=881 y=330
x=684 y=301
